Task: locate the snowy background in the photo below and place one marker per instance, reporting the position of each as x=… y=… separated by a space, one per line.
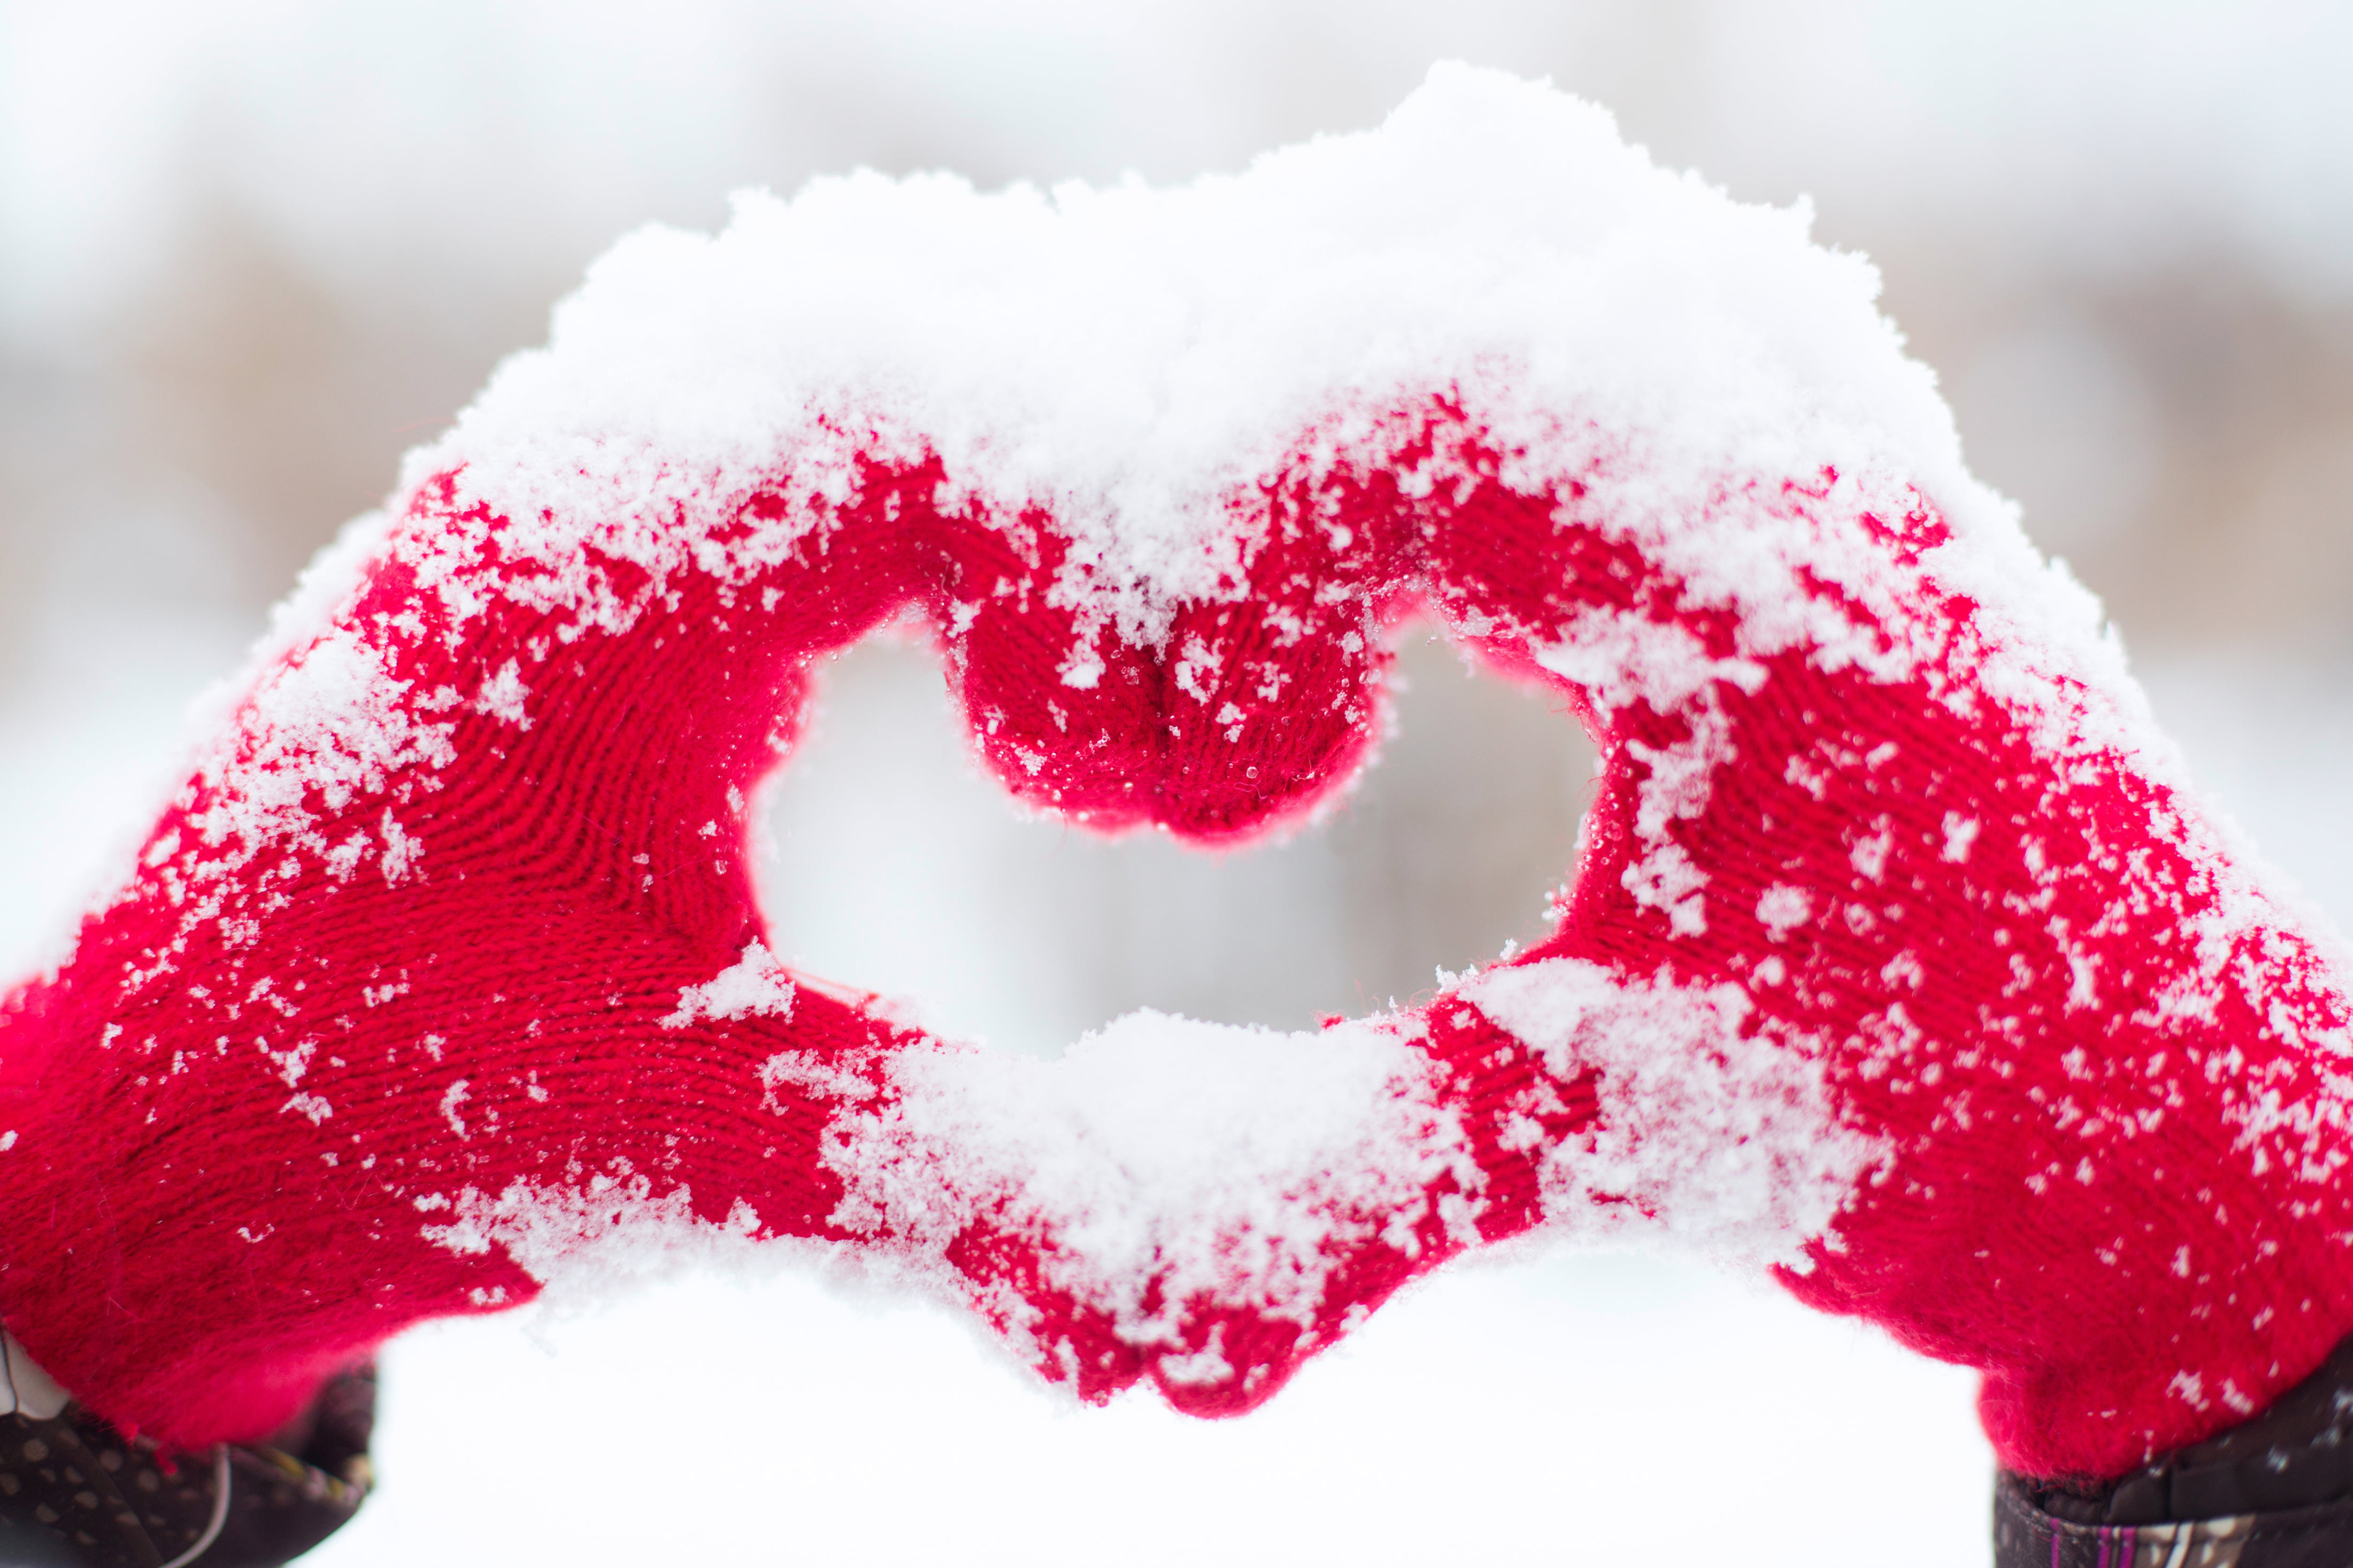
x=250 y=252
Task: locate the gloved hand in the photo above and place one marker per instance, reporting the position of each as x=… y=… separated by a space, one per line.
x=1896 y=934
x=1898 y=955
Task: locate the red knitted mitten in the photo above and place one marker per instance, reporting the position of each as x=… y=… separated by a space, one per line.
x=1896 y=954
x=1899 y=954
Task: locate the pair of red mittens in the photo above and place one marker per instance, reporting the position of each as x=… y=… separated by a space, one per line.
x=1899 y=956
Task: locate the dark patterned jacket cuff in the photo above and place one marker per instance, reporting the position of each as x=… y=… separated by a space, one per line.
x=2275 y=1491
x=2026 y=1537
x=75 y=1493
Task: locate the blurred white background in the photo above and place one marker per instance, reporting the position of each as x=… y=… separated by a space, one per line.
x=250 y=252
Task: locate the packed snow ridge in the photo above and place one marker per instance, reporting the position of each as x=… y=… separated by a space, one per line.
x=1127 y=356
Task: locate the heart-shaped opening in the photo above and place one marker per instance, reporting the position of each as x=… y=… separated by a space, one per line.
x=896 y=863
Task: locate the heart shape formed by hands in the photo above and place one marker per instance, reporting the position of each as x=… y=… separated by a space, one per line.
x=1897 y=957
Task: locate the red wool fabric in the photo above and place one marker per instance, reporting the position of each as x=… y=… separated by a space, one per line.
x=2102 y=1078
